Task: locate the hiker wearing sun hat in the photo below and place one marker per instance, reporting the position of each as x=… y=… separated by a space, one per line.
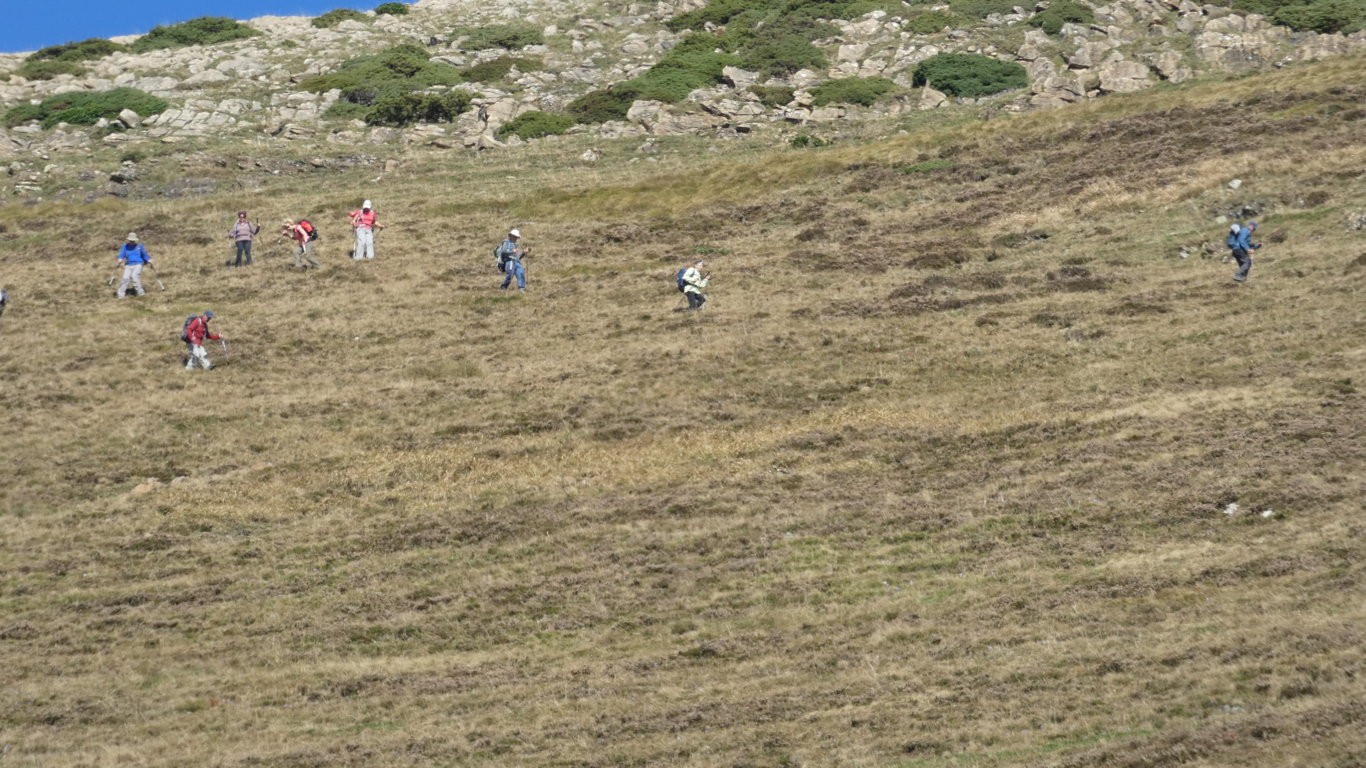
x=132 y=257
x=241 y=233
x=510 y=255
x=363 y=221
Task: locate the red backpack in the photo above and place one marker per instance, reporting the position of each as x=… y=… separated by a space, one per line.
x=309 y=228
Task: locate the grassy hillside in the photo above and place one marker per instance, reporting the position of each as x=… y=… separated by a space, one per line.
x=938 y=479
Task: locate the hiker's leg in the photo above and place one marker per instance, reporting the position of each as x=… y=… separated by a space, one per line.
x=521 y=276
x=299 y=256
x=1244 y=264
x=358 y=252
x=127 y=278
x=246 y=250
x=366 y=240
x=507 y=276
x=137 y=280
x=308 y=254
x=694 y=299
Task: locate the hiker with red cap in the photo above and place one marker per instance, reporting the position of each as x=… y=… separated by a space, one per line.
x=363 y=221
x=242 y=233
x=303 y=233
x=194 y=332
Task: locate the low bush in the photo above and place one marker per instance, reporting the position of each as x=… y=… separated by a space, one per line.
x=409 y=108
x=336 y=16
x=391 y=9
x=534 y=125
x=86 y=107
x=932 y=22
x=779 y=56
x=1324 y=16
x=969 y=75
x=497 y=69
x=806 y=140
x=773 y=95
x=602 y=105
x=1061 y=12
x=85 y=50
x=401 y=68
x=205 y=30
x=852 y=90
x=342 y=109
x=980 y=9
x=48 y=69
x=509 y=36
x=382 y=84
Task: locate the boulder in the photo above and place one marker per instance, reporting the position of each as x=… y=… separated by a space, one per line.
x=1124 y=77
x=932 y=99
x=738 y=78
x=130 y=119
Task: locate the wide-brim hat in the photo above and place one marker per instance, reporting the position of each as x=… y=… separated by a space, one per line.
x=132 y=237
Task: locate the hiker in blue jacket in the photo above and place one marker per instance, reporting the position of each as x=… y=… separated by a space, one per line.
x=132 y=257
x=510 y=256
x=1240 y=243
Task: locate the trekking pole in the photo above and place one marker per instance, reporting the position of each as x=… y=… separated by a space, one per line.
x=110 y=281
x=224 y=343
x=157 y=276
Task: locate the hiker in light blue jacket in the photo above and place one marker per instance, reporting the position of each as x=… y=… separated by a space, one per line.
x=510 y=256
x=132 y=257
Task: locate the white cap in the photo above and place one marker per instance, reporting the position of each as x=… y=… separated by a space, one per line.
x=514 y=233
x=366 y=205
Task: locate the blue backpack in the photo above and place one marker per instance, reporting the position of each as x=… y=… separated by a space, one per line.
x=1232 y=240
x=681 y=282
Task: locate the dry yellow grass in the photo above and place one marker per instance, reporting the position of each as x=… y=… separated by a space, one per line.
x=939 y=479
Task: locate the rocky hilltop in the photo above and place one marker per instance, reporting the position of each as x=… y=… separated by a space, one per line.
x=251 y=87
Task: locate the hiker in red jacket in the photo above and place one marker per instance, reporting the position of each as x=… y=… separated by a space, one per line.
x=196 y=331
x=303 y=234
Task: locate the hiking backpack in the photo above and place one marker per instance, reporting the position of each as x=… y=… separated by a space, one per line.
x=1232 y=240
x=499 y=258
x=310 y=229
x=185 y=329
x=681 y=282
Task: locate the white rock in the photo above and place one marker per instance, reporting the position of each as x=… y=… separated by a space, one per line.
x=1235 y=184
x=1231 y=509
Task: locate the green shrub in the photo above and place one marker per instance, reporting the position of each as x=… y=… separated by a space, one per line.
x=86 y=107
x=408 y=108
x=534 y=125
x=773 y=95
x=382 y=85
x=85 y=50
x=969 y=75
x=497 y=69
x=602 y=105
x=932 y=22
x=1326 y=16
x=342 y=109
x=852 y=90
x=23 y=113
x=807 y=140
x=46 y=70
x=401 y=68
x=1061 y=12
x=980 y=9
x=391 y=9
x=334 y=17
x=205 y=30
x=776 y=57
x=509 y=36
